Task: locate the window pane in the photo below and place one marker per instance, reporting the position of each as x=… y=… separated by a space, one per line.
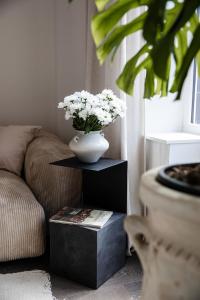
x=195 y=117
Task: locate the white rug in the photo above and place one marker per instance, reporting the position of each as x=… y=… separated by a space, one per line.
x=30 y=285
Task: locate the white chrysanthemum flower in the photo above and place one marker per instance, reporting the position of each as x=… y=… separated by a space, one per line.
x=88 y=107
x=85 y=95
x=93 y=100
x=107 y=92
x=75 y=107
x=69 y=99
x=83 y=114
x=100 y=96
x=104 y=108
x=67 y=115
x=61 y=105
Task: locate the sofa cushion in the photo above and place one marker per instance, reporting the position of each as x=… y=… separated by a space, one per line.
x=54 y=187
x=21 y=219
x=14 y=140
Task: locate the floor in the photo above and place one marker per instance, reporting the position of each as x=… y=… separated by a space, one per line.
x=124 y=285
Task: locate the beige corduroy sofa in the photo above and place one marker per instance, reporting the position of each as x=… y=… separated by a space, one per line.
x=39 y=192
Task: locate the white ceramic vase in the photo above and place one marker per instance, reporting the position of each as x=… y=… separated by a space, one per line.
x=89 y=147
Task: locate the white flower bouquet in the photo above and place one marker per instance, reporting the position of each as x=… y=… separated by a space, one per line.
x=92 y=112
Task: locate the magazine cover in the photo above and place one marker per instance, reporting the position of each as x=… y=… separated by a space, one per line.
x=82 y=217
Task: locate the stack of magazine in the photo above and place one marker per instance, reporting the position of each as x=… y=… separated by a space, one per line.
x=82 y=217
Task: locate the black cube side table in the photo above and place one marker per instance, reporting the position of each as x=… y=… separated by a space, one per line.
x=87 y=255
x=104 y=183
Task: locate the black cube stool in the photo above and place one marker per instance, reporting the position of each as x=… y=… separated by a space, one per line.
x=89 y=256
x=104 y=183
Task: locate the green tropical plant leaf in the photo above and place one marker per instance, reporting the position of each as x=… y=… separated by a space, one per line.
x=131 y=70
x=105 y=21
x=188 y=10
x=162 y=87
x=101 y=4
x=180 y=47
x=115 y=38
x=154 y=22
x=165 y=30
x=193 y=23
x=165 y=45
x=198 y=63
x=160 y=62
x=149 y=82
x=188 y=58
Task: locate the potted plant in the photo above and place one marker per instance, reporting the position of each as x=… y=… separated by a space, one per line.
x=166 y=240
x=91 y=114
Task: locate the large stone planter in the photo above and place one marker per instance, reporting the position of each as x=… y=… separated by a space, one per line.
x=167 y=241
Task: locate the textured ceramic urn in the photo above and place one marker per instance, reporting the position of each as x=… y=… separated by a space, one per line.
x=167 y=241
x=89 y=147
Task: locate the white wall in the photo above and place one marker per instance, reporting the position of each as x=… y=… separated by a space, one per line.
x=71 y=31
x=27 y=64
x=42 y=56
x=163 y=115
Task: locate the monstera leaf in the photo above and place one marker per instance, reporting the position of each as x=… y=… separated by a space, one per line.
x=171 y=30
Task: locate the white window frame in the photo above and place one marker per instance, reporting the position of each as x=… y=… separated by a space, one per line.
x=194 y=94
x=187 y=98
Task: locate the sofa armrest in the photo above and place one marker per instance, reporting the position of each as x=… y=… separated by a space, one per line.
x=53 y=186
